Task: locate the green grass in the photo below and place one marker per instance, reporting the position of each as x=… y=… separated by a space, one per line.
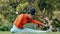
x=7 y=32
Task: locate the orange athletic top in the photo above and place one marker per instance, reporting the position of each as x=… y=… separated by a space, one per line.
x=23 y=19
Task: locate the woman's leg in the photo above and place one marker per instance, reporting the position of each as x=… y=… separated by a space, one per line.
x=15 y=29
x=32 y=30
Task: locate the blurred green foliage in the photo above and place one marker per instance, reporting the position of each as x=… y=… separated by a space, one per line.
x=44 y=8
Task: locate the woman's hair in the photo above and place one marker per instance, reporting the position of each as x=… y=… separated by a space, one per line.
x=31 y=11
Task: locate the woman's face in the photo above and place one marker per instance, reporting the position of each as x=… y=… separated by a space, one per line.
x=30 y=16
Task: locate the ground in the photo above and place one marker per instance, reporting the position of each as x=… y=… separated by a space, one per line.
x=7 y=32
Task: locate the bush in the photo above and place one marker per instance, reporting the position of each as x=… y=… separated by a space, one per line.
x=5 y=28
x=30 y=25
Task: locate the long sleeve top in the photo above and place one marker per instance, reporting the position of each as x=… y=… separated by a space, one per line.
x=23 y=19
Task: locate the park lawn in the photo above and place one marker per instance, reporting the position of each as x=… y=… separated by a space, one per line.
x=7 y=32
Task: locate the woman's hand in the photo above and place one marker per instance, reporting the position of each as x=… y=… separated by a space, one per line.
x=46 y=25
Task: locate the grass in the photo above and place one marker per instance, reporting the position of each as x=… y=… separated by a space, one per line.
x=7 y=32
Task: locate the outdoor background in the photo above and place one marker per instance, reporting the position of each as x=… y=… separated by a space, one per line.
x=9 y=10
